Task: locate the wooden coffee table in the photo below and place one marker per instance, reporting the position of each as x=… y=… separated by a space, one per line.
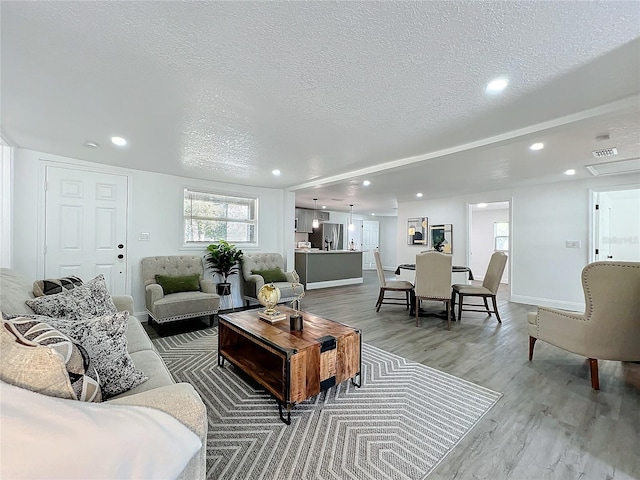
x=291 y=365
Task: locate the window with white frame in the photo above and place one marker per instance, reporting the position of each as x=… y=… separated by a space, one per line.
x=501 y=236
x=211 y=217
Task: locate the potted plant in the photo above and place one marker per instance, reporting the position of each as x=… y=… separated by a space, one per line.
x=223 y=259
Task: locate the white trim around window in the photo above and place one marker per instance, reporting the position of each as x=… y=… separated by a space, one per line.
x=209 y=217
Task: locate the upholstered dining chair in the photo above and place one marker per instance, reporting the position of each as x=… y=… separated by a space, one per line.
x=489 y=288
x=433 y=281
x=609 y=329
x=391 y=286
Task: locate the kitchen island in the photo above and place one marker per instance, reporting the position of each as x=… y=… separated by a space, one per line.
x=332 y=268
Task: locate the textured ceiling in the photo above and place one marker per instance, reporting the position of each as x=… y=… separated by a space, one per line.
x=328 y=92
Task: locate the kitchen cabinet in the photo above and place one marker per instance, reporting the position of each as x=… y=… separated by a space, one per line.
x=304 y=220
x=320 y=269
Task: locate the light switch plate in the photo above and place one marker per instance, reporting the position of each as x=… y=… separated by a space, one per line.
x=573 y=243
x=144 y=236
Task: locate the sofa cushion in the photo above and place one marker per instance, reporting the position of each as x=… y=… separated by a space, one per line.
x=104 y=339
x=137 y=338
x=182 y=283
x=271 y=275
x=184 y=304
x=152 y=365
x=14 y=290
x=44 y=437
x=51 y=286
x=88 y=300
x=37 y=357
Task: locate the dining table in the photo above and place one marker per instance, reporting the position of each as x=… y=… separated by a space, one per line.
x=454 y=269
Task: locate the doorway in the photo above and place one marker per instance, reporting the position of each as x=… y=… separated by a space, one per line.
x=489 y=232
x=616 y=224
x=86 y=226
x=370 y=241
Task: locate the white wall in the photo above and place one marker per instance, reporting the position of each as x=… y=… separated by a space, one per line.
x=543 y=270
x=6 y=206
x=388 y=241
x=482 y=240
x=155 y=206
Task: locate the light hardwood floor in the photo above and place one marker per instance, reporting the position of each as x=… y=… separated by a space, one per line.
x=549 y=424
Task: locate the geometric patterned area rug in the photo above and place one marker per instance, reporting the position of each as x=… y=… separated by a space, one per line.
x=400 y=424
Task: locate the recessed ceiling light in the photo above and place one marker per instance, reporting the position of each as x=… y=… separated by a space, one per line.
x=373 y=214
x=324 y=206
x=418 y=195
x=482 y=205
x=91 y=144
x=276 y=172
x=366 y=183
x=497 y=85
x=537 y=146
x=119 y=141
x=571 y=171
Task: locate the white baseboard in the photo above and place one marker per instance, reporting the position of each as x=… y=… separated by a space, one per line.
x=548 y=302
x=334 y=283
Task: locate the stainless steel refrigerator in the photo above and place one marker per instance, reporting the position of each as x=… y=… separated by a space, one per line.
x=328 y=236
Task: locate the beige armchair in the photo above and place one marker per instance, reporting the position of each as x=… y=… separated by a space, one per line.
x=164 y=308
x=433 y=281
x=609 y=329
x=391 y=286
x=252 y=282
x=489 y=288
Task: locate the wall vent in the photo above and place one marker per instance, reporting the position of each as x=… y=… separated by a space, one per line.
x=614 y=168
x=605 y=152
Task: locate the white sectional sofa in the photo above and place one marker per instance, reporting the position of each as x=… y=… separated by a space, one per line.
x=160 y=391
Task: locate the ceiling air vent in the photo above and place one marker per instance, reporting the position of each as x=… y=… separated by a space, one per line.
x=605 y=152
x=613 y=168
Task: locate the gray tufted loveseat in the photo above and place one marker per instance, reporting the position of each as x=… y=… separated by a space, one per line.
x=251 y=283
x=181 y=305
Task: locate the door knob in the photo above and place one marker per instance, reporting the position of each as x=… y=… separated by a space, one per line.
x=120 y=246
x=609 y=256
x=120 y=256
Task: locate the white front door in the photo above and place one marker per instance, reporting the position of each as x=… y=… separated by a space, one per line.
x=370 y=241
x=86 y=226
x=617 y=225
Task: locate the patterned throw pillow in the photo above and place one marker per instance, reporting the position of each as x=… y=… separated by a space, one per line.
x=51 y=286
x=104 y=339
x=88 y=300
x=37 y=357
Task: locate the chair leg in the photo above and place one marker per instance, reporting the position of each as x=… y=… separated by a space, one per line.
x=453 y=304
x=495 y=307
x=408 y=292
x=380 y=297
x=486 y=305
x=418 y=321
x=460 y=299
x=448 y=305
x=593 y=367
x=532 y=342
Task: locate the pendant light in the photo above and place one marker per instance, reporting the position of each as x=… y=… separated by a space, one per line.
x=351 y=227
x=315 y=223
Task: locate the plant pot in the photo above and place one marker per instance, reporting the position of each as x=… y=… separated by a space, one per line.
x=223 y=289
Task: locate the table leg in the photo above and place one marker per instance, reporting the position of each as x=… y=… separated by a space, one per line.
x=287 y=419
